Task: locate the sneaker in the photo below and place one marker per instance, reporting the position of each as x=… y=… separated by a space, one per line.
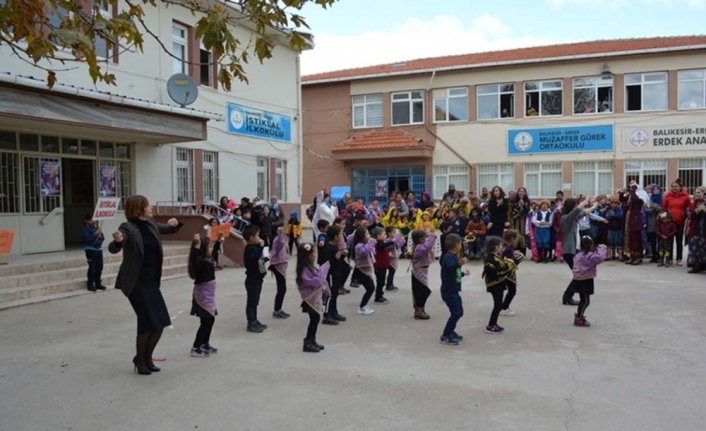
x=382 y=301
x=392 y=289
x=328 y=320
x=197 y=352
x=366 y=311
x=261 y=325
x=346 y=290
x=449 y=340
x=209 y=349
x=508 y=312
x=342 y=291
x=355 y=284
x=679 y=263
x=457 y=336
x=494 y=329
x=101 y=287
x=280 y=314
x=255 y=328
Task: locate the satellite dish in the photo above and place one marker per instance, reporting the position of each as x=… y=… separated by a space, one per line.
x=182 y=89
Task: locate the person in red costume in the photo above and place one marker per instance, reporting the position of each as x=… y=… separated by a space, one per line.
x=676 y=201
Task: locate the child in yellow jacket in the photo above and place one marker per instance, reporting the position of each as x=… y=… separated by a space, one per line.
x=294 y=230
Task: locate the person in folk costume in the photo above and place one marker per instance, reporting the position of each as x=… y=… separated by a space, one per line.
x=422 y=257
x=696 y=214
x=520 y=210
x=530 y=229
x=542 y=223
x=312 y=285
x=278 y=266
x=653 y=209
x=634 y=200
x=395 y=254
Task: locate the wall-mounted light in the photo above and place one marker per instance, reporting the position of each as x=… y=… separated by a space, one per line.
x=606 y=74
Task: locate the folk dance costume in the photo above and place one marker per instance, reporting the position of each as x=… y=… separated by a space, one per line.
x=312 y=287
x=421 y=259
x=395 y=253
x=495 y=274
x=203 y=303
x=278 y=266
x=363 y=272
x=542 y=234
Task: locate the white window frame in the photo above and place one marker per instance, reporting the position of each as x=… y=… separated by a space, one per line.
x=362 y=102
x=543 y=169
x=262 y=181
x=497 y=93
x=702 y=80
x=184 y=43
x=449 y=174
x=647 y=167
x=597 y=168
x=108 y=14
x=411 y=102
x=644 y=82
x=452 y=93
x=281 y=180
x=184 y=171
x=541 y=90
x=496 y=174
x=583 y=83
x=210 y=176
x=685 y=166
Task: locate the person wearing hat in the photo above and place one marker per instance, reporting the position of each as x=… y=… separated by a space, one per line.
x=93 y=238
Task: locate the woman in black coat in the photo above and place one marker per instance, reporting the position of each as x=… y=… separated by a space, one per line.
x=497 y=206
x=140 y=274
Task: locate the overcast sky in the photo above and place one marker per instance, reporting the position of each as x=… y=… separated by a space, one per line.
x=355 y=33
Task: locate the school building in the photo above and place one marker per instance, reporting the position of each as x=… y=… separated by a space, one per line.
x=585 y=118
x=63 y=148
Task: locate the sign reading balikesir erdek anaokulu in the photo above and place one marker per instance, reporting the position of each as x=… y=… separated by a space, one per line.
x=664 y=138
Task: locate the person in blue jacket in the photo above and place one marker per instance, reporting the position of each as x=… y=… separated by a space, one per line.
x=93 y=239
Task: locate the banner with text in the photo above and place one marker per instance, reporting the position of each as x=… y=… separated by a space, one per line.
x=259 y=124
x=664 y=138
x=106 y=209
x=578 y=139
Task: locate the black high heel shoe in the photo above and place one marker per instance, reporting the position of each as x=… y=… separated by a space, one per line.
x=152 y=367
x=143 y=371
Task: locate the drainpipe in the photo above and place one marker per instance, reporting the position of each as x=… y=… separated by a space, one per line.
x=300 y=131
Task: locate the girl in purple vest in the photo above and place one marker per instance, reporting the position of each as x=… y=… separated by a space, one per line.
x=312 y=285
x=278 y=266
x=363 y=254
x=422 y=257
x=203 y=304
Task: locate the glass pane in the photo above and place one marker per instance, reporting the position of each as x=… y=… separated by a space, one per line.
x=400 y=96
x=106 y=149
x=507 y=181
x=358 y=116
x=551 y=84
x=101 y=47
x=178 y=32
x=584 y=183
x=440 y=110
x=654 y=97
x=88 y=148
x=417 y=95
x=358 y=99
x=487 y=89
x=488 y=107
x=418 y=112
x=531 y=86
x=691 y=163
x=691 y=94
x=604 y=82
x=458 y=109
x=584 y=100
x=69 y=146
x=123 y=151
x=29 y=142
x=8 y=140
x=691 y=74
x=584 y=82
x=605 y=183
x=400 y=113
x=373 y=98
x=440 y=186
x=551 y=102
x=655 y=77
x=550 y=183
x=532 y=184
x=633 y=79
x=507 y=88
x=458 y=92
x=373 y=114
x=50 y=144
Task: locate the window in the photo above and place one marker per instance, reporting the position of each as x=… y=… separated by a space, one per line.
x=543 y=179
x=9 y=183
x=543 y=98
x=646 y=171
x=206 y=67
x=407 y=108
x=593 y=95
x=646 y=92
x=185 y=175
x=8 y=140
x=502 y=175
x=101 y=45
x=496 y=101
x=692 y=89
x=210 y=176
x=452 y=107
x=367 y=111
x=692 y=173
x=179 y=49
x=593 y=178
x=281 y=180
x=449 y=174
x=38 y=185
x=263 y=177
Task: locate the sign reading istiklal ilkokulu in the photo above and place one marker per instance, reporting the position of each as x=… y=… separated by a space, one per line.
x=577 y=139
x=257 y=123
x=664 y=138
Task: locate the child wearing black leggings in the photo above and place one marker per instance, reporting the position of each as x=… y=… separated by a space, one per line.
x=510 y=240
x=585 y=270
x=495 y=273
x=312 y=285
x=203 y=304
x=363 y=254
x=278 y=266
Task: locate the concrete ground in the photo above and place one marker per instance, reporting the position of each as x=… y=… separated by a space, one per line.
x=66 y=365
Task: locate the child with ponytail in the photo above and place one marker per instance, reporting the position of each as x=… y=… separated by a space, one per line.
x=203 y=303
x=311 y=282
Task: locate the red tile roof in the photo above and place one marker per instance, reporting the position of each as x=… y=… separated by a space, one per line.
x=538 y=53
x=382 y=139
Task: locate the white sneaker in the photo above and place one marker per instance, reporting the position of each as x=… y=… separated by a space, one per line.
x=366 y=311
x=508 y=312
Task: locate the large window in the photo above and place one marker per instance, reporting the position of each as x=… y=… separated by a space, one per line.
x=367 y=111
x=263 y=176
x=407 y=108
x=452 y=107
x=502 y=175
x=593 y=95
x=449 y=174
x=543 y=179
x=281 y=180
x=101 y=45
x=185 y=174
x=179 y=49
x=206 y=66
x=692 y=173
x=210 y=176
x=496 y=101
x=646 y=92
x=593 y=178
x=646 y=172
x=692 y=89
x=543 y=98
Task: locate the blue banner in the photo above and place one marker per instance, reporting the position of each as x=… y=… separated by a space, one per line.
x=258 y=123
x=560 y=140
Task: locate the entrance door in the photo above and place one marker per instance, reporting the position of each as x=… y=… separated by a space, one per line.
x=79 y=197
x=397 y=184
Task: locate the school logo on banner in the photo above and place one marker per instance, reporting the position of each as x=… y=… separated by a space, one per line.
x=523 y=141
x=257 y=123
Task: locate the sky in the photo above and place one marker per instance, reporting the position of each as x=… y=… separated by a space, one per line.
x=357 y=33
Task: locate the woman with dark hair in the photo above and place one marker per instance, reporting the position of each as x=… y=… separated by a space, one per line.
x=140 y=275
x=498 y=207
x=676 y=201
x=697 y=233
x=520 y=209
x=426 y=201
x=634 y=200
x=411 y=200
x=571 y=212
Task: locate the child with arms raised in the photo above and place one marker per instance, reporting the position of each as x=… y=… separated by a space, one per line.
x=311 y=282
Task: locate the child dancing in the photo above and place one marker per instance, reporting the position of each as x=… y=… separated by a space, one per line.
x=311 y=282
x=422 y=257
x=510 y=239
x=451 y=275
x=203 y=303
x=362 y=254
x=278 y=266
x=495 y=273
x=585 y=270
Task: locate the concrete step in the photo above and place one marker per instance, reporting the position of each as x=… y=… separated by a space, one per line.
x=63 y=295
x=72 y=259
x=76 y=272
x=64 y=286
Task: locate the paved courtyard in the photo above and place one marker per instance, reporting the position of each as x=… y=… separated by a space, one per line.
x=65 y=365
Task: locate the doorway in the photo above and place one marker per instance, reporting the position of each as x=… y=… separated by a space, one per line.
x=79 y=190
x=397 y=184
